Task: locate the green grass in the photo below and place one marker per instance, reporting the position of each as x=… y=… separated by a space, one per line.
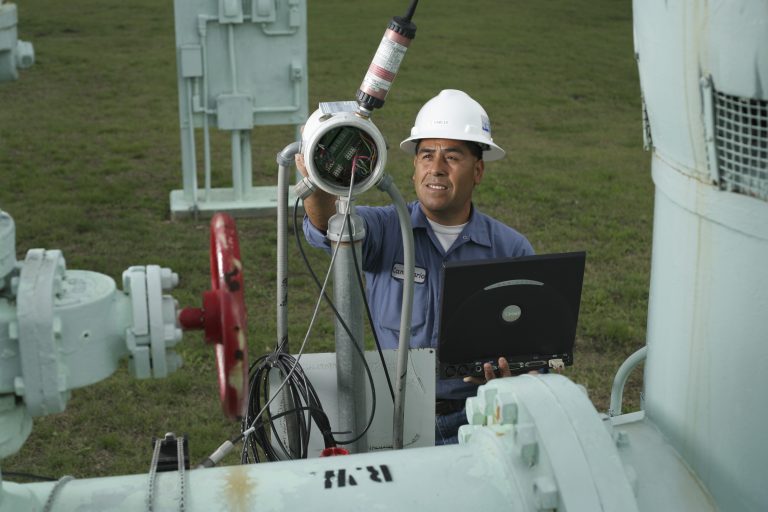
x=89 y=151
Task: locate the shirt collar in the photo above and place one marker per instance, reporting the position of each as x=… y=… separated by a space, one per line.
x=476 y=229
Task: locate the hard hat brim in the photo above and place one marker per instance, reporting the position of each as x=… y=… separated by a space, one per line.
x=493 y=152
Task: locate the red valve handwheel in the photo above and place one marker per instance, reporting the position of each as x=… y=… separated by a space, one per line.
x=223 y=316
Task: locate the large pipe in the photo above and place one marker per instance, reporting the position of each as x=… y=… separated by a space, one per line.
x=546 y=449
x=703 y=69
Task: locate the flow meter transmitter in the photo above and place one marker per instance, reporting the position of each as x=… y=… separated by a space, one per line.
x=339 y=143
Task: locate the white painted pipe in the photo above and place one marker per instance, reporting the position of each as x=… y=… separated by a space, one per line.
x=547 y=449
x=617 y=391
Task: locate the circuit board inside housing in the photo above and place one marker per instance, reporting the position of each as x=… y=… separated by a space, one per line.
x=344 y=152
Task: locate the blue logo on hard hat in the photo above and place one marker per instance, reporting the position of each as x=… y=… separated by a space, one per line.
x=486 y=123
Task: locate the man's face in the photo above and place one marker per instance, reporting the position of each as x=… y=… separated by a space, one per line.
x=444 y=176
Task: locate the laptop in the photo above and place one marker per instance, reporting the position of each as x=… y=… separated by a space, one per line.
x=525 y=309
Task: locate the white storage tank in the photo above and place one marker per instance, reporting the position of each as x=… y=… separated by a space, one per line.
x=704 y=77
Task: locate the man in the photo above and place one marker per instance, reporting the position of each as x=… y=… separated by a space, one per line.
x=450 y=141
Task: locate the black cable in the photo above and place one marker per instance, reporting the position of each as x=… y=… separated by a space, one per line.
x=264 y=441
x=411 y=10
x=341 y=321
x=370 y=322
x=328 y=300
x=300 y=392
x=265 y=436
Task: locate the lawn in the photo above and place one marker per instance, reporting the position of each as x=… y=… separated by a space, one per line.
x=89 y=151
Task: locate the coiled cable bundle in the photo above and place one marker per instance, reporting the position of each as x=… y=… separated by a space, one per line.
x=301 y=406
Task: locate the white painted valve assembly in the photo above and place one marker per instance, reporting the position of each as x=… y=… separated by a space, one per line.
x=65 y=329
x=15 y=54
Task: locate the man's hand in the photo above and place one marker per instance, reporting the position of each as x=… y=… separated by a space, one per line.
x=319 y=206
x=299 y=158
x=504 y=371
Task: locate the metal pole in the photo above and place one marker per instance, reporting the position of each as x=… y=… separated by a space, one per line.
x=188 y=159
x=237 y=166
x=347 y=228
x=202 y=31
x=247 y=162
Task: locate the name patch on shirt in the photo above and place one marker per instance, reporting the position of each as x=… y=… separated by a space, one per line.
x=419 y=274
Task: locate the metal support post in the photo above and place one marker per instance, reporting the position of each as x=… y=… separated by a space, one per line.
x=347 y=228
x=237 y=166
x=247 y=162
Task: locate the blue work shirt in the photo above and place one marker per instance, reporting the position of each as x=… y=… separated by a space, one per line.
x=482 y=238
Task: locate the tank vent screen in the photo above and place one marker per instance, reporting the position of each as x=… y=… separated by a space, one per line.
x=741 y=140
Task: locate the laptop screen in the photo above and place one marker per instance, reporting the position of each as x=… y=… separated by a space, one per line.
x=524 y=309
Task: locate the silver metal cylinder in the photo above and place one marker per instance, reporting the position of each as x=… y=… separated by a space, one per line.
x=347 y=228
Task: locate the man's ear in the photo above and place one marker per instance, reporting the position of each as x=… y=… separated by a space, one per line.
x=479 y=170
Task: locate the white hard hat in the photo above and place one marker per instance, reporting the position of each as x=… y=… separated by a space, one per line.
x=453 y=115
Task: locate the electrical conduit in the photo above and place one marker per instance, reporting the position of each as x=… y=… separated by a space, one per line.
x=285 y=160
x=388 y=186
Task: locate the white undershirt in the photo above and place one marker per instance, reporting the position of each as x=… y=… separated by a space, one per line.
x=446 y=235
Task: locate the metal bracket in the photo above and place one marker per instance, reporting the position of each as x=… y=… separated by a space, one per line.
x=707 y=92
x=170 y=456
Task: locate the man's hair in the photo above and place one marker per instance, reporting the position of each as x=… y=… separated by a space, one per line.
x=475 y=148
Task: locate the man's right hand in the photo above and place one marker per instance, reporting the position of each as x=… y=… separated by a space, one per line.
x=299 y=158
x=320 y=205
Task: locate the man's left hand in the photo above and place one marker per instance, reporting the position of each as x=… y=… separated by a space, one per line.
x=504 y=371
